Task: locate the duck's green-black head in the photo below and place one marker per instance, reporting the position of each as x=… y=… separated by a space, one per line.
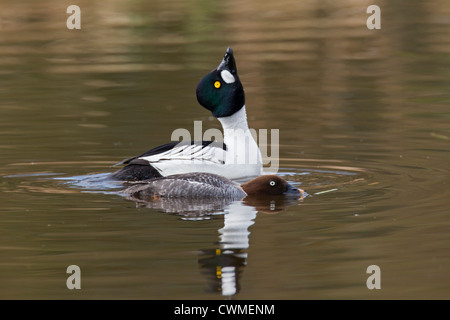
x=221 y=91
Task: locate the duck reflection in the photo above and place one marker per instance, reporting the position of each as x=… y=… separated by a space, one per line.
x=186 y=208
x=224 y=264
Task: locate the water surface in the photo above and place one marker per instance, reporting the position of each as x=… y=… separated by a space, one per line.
x=363 y=117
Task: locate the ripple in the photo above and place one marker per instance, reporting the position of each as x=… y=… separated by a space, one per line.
x=92 y=182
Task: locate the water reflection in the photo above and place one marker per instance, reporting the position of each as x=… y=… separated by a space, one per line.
x=224 y=264
x=188 y=209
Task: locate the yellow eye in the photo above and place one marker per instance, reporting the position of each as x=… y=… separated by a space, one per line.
x=217 y=84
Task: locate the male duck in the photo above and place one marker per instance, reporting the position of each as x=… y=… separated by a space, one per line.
x=200 y=185
x=238 y=157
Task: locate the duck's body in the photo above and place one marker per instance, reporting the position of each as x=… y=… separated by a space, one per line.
x=207 y=185
x=221 y=92
x=189 y=185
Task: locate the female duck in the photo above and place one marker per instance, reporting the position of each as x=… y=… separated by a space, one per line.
x=238 y=157
x=207 y=185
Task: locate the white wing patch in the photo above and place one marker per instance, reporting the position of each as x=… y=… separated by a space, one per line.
x=195 y=153
x=227 y=76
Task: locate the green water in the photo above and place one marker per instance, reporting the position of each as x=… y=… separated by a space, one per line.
x=364 y=124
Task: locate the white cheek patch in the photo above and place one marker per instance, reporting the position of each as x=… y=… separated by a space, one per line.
x=227 y=76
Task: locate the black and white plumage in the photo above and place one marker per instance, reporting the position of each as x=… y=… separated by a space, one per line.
x=172 y=157
x=238 y=157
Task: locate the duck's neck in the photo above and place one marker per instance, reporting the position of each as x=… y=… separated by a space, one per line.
x=240 y=145
x=236 y=121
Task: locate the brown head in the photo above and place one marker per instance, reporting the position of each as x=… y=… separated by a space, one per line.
x=269 y=185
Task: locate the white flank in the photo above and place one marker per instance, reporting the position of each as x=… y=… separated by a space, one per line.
x=242 y=159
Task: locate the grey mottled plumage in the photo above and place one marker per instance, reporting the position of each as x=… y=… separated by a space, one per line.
x=193 y=185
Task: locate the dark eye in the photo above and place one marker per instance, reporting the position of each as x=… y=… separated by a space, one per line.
x=272 y=183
